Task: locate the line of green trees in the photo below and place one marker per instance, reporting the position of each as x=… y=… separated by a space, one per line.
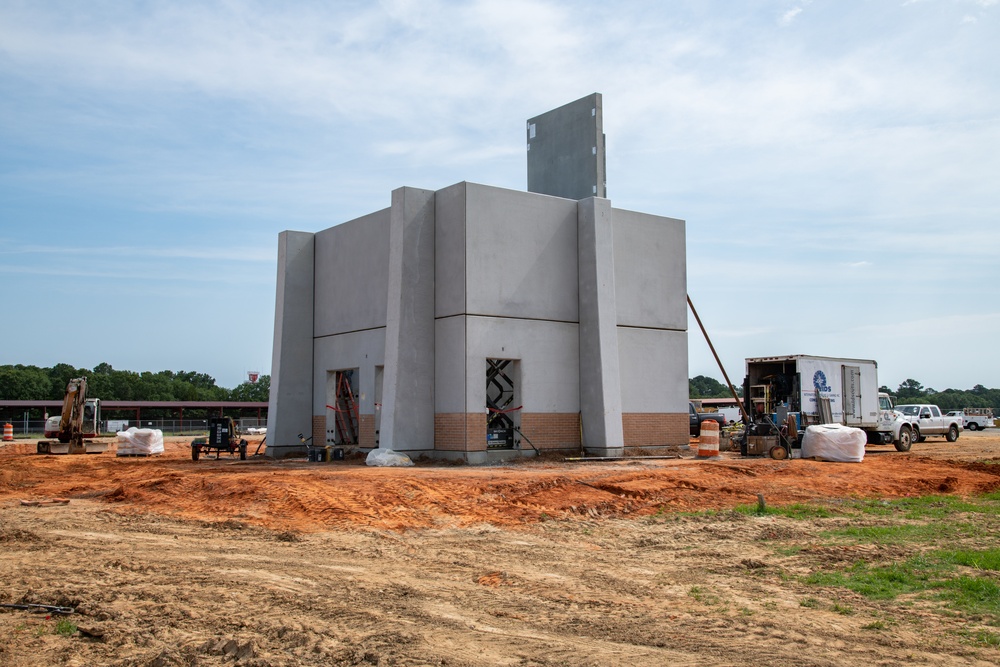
x=32 y=383
x=705 y=387
x=909 y=391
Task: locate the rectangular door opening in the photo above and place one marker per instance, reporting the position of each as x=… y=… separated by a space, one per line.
x=342 y=407
x=502 y=403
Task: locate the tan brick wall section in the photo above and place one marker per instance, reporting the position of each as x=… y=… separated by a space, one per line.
x=366 y=431
x=460 y=432
x=655 y=429
x=319 y=431
x=560 y=430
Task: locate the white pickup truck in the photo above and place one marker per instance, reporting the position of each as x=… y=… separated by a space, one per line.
x=927 y=420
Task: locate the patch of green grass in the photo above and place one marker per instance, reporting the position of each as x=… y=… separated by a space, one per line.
x=988 y=559
x=65 y=628
x=904 y=533
x=973 y=595
x=986 y=638
x=703 y=596
x=810 y=603
x=977 y=596
x=930 y=507
x=842 y=609
x=877 y=583
x=793 y=511
x=789 y=551
x=875 y=625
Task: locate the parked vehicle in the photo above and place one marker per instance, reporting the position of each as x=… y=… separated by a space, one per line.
x=785 y=395
x=696 y=418
x=80 y=418
x=926 y=419
x=977 y=418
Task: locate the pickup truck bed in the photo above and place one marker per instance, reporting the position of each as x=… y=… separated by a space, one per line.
x=696 y=418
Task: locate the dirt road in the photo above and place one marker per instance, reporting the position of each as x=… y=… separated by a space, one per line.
x=173 y=562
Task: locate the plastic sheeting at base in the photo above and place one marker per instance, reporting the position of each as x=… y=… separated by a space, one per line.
x=834 y=442
x=386 y=458
x=140 y=442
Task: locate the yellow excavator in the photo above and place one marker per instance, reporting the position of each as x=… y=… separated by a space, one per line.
x=81 y=417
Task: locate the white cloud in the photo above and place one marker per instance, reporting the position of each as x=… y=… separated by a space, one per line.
x=789 y=16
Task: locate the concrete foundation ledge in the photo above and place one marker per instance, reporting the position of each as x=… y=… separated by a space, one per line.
x=604 y=451
x=285 y=451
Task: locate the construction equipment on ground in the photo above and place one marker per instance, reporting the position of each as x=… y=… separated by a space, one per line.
x=81 y=418
x=223 y=436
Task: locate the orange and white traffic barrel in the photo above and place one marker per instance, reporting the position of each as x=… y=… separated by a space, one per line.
x=708 y=440
x=8 y=432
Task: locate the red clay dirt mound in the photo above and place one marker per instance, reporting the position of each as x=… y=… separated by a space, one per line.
x=309 y=497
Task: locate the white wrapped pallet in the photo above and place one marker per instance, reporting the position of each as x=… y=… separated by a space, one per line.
x=387 y=458
x=140 y=442
x=834 y=442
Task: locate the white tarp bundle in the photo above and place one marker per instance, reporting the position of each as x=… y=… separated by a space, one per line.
x=140 y=442
x=386 y=458
x=834 y=442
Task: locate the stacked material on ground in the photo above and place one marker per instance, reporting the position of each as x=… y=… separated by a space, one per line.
x=140 y=442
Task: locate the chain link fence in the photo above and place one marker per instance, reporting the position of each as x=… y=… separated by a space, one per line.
x=36 y=427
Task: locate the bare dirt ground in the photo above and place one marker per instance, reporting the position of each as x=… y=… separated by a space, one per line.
x=168 y=561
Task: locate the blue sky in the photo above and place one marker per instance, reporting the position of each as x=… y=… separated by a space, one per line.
x=836 y=161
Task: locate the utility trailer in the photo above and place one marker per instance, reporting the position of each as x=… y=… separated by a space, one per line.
x=223 y=436
x=785 y=395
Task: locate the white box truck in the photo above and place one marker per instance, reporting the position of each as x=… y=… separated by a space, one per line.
x=784 y=395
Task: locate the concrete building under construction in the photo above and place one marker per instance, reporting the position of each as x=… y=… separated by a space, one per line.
x=477 y=322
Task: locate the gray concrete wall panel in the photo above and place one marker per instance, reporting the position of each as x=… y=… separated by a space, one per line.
x=650 y=270
x=566 y=155
x=352 y=275
x=450 y=244
x=408 y=392
x=600 y=388
x=522 y=255
x=549 y=356
x=654 y=370
x=450 y=365
x=290 y=399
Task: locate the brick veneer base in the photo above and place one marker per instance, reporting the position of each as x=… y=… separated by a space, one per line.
x=460 y=431
x=319 y=430
x=366 y=431
x=551 y=430
x=655 y=429
x=466 y=432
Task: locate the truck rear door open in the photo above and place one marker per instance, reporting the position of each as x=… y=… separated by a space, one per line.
x=852 y=396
